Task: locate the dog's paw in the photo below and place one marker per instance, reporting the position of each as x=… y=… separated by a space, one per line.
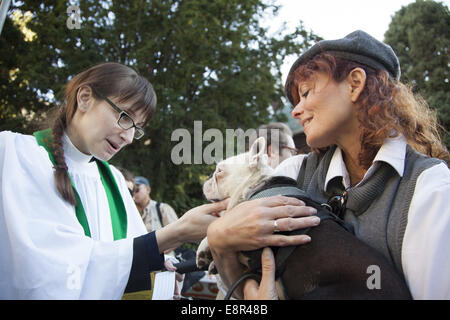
x=203 y=259
x=212 y=268
x=204 y=256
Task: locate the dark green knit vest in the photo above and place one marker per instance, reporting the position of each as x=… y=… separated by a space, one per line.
x=378 y=208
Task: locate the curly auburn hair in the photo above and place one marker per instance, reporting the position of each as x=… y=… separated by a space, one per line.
x=387 y=108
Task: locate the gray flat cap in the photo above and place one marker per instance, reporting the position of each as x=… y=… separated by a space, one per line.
x=359 y=47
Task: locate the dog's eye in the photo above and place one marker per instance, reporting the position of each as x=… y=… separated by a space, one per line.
x=219 y=170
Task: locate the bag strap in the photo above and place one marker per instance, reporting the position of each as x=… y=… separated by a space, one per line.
x=116 y=206
x=158 y=209
x=301 y=173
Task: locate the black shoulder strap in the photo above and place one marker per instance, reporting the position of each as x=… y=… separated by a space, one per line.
x=158 y=209
x=301 y=173
x=310 y=164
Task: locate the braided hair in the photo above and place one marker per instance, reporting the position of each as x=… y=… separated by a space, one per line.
x=108 y=79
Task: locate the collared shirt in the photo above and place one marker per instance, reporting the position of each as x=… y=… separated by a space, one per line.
x=426 y=243
x=151 y=218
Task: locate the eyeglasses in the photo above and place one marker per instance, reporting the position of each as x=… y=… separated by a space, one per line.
x=337 y=204
x=124 y=121
x=293 y=151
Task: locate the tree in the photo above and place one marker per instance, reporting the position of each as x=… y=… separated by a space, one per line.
x=18 y=100
x=207 y=60
x=420 y=35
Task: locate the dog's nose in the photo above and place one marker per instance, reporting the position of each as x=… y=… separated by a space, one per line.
x=211 y=175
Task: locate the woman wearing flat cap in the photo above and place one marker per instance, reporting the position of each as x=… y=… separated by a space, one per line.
x=376 y=149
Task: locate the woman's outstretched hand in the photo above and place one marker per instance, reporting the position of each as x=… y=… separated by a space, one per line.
x=197 y=220
x=191 y=227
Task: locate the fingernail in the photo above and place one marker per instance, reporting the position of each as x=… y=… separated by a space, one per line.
x=315 y=220
x=312 y=210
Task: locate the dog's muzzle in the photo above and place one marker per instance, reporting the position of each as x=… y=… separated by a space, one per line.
x=215 y=195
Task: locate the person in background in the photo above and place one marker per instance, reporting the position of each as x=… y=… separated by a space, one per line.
x=154 y=214
x=279 y=142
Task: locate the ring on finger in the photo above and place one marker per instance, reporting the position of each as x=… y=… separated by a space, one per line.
x=275 y=226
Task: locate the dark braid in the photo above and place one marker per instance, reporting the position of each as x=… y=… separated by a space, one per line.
x=61 y=175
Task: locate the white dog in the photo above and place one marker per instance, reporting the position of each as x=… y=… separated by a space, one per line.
x=234 y=178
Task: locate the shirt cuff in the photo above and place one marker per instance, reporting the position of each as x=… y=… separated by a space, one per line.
x=146 y=258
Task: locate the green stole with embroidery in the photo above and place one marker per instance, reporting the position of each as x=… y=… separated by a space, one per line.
x=116 y=205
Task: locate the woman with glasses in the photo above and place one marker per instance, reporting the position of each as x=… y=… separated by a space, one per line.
x=378 y=163
x=69 y=228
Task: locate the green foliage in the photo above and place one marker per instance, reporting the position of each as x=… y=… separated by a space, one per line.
x=18 y=100
x=420 y=35
x=207 y=60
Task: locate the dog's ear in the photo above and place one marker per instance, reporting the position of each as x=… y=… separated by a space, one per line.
x=257 y=153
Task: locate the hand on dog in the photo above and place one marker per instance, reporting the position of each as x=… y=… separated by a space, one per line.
x=266 y=290
x=191 y=227
x=250 y=225
x=196 y=221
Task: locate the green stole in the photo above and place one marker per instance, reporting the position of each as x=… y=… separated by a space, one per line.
x=116 y=205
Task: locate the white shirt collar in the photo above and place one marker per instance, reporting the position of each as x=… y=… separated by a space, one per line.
x=71 y=152
x=337 y=169
x=392 y=152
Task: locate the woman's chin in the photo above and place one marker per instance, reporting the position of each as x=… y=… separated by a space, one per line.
x=315 y=143
x=103 y=156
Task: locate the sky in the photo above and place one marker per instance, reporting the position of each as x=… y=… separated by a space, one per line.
x=334 y=19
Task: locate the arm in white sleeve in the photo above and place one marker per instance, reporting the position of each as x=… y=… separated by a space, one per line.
x=426 y=244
